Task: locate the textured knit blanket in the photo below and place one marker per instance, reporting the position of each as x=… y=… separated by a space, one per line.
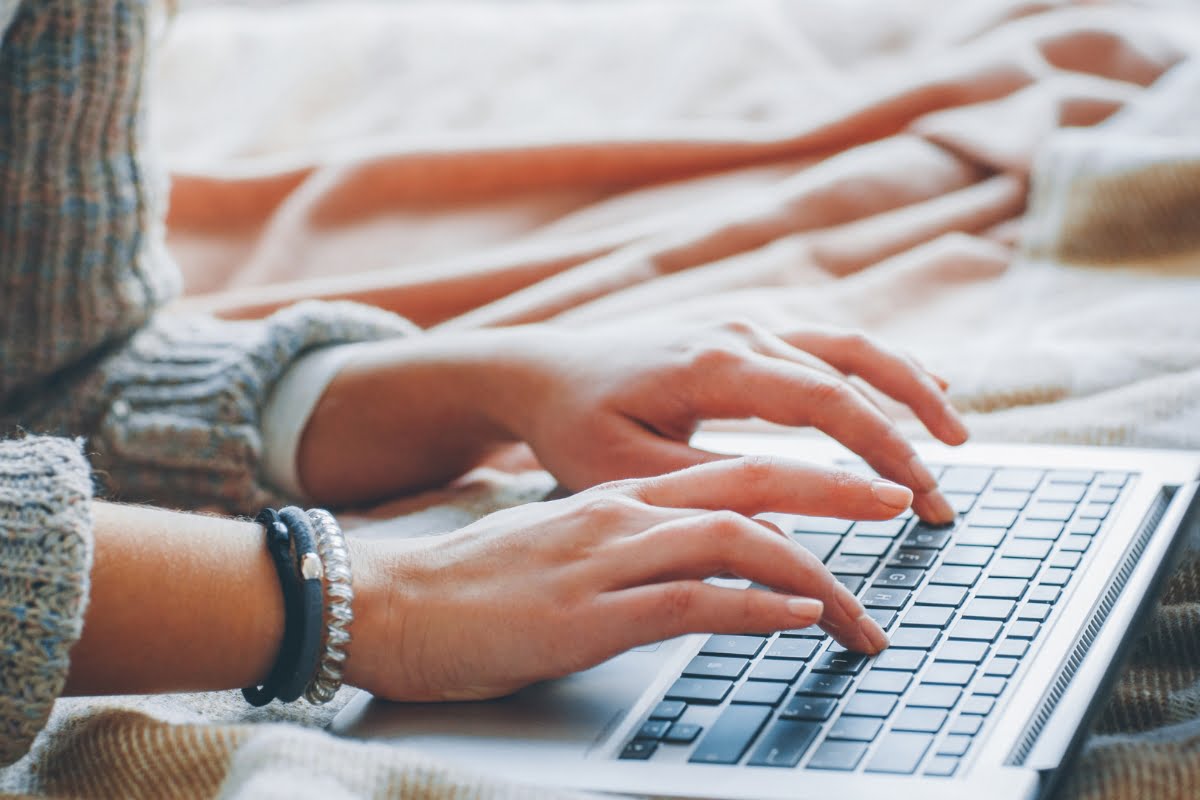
x=1010 y=190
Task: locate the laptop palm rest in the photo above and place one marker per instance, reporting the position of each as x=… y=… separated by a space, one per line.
x=574 y=714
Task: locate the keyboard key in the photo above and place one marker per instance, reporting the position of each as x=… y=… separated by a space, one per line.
x=989 y=608
x=929 y=616
x=819 y=544
x=961 y=503
x=966 y=726
x=852 y=565
x=898 y=578
x=1012 y=648
x=669 y=710
x=812 y=709
x=1094 y=510
x=919 y=558
x=951 y=596
x=941 y=766
x=639 y=750
x=845 y=663
x=972 y=480
x=716 y=667
x=992 y=518
x=798 y=649
x=955 y=576
x=852 y=582
x=653 y=729
x=1025 y=480
x=922 y=720
x=811 y=632
x=915 y=638
x=899 y=660
x=1066 y=560
x=900 y=753
x=827 y=684
x=1001 y=667
x=1060 y=512
x=1027 y=548
x=784 y=744
x=699 y=690
x=889 y=528
x=855 y=729
x=820 y=525
x=1024 y=629
x=947 y=672
x=1104 y=494
x=885 y=598
x=885 y=682
x=682 y=733
x=760 y=693
x=1076 y=544
x=730 y=736
x=962 y=556
x=1062 y=492
x=924 y=536
x=774 y=669
x=1001 y=498
x=980 y=537
x=1084 y=527
x=1034 y=612
x=1116 y=479
x=1003 y=588
x=977 y=704
x=961 y=651
x=1036 y=529
x=1071 y=476
x=1044 y=594
x=934 y=696
x=1014 y=568
x=865 y=546
x=867 y=704
x=837 y=755
x=989 y=686
x=955 y=745
x=727 y=645
x=1055 y=577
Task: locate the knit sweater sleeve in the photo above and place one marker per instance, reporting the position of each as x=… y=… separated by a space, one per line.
x=45 y=559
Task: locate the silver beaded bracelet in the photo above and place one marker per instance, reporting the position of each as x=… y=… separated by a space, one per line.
x=339 y=613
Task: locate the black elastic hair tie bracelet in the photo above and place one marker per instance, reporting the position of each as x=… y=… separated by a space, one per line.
x=308 y=571
x=279 y=545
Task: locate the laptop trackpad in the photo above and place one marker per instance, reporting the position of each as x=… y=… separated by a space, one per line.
x=577 y=712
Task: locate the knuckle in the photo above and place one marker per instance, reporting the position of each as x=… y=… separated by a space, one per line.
x=756 y=471
x=829 y=391
x=677 y=601
x=726 y=529
x=741 y=328
x=714 y=357
x=610 y=506
x=857 y=341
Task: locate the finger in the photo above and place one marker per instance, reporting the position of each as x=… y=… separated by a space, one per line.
x=771 y=389
x=723 y=542
x=894 y=374
x=755 y=484
x=666 y=610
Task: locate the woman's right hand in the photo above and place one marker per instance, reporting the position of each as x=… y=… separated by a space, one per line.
x=547 y=589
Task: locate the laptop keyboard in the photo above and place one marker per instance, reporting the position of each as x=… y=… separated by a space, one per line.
x=962 y=606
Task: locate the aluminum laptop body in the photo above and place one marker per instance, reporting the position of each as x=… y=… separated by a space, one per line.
x=1032 y=689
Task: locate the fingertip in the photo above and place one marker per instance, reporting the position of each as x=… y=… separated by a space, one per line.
x=934 y=508
x=892 y=495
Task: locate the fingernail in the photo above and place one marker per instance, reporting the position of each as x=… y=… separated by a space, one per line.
x=873 y=633
x=939 y=507
x=891 y=494
x=849 y=603
x=921 y=475
x=805 y=607
x=958 y=430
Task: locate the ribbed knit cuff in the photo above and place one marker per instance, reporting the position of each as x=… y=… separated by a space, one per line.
x=181 y=425
x=45 y=560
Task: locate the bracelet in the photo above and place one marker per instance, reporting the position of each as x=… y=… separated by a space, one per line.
x=307 y=567
x=339 y=612
x=279 y=545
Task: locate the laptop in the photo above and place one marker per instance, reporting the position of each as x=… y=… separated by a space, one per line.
x=1008 y=630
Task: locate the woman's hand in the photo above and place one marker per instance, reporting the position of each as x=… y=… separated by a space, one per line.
x=602 y=404
x=547 y=589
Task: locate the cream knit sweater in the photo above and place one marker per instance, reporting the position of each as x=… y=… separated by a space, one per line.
x=166 y=408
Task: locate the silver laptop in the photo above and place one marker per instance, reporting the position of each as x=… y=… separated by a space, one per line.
x=1007 y=631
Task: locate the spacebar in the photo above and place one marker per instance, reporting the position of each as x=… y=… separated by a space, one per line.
x=729 y=738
